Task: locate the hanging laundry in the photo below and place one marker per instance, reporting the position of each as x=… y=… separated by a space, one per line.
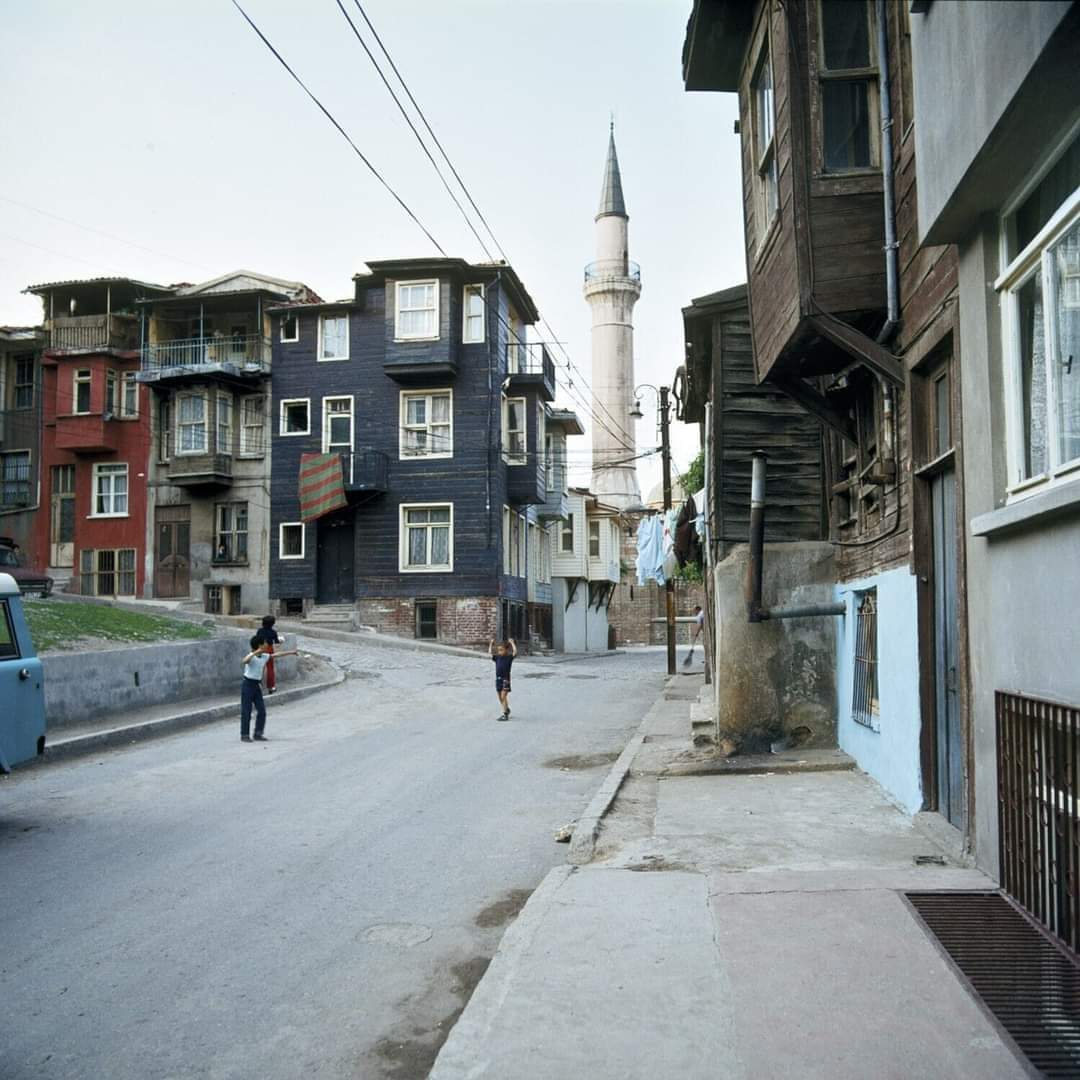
x=671 y=562
x=687 y=542
x=650 y=550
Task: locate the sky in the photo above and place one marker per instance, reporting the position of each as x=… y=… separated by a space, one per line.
x=177 y=149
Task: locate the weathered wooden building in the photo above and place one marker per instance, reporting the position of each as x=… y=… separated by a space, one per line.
x=426 y=388
x=20 y=434
x=854 y=320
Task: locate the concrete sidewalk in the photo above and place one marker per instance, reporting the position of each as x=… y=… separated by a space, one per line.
x=751 y=924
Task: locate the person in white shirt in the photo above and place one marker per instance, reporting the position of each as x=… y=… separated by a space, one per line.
x=251 y=690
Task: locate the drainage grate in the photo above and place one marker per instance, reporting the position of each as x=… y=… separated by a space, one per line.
x=1029 y=983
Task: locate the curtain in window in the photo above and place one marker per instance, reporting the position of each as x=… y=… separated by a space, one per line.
x=334 y=336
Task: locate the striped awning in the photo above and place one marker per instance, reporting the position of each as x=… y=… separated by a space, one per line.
x=321 y=485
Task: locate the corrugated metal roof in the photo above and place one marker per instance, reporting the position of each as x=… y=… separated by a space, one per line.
x=95 y=281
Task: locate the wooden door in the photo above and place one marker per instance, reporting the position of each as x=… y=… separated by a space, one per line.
x=62 y=516
x=172 y=553
x=334 y=560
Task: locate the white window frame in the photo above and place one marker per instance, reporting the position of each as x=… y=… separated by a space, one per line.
x=281 y=329
x=281 y=416
x=1034 y=259
x=566 y=527
x=326 y=402
x=477 y=289
x=508 y=457
x=403 y=539
x=399 y=335
x=110 y=468
x=404 y=454
x=178 y=450
x=129 y=381
x=594 y=533
x=246 y=448
x=322 y=321
x=282 y=526
x=112 y=394
x=226 y=400
x=763 y=146
x=82 y=377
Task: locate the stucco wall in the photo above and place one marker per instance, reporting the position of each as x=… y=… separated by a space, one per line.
x=889 y=754
x=81 y=686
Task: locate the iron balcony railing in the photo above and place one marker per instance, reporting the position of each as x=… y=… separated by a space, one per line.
x=365 y=470
x=1038 y=758
x=531 y=358
x=604 y=269
x=240 y=352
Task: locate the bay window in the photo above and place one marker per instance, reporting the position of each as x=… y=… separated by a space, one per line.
x=417 y=310
x=848 y=83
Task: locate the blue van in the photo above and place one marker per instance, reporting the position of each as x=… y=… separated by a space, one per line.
x=22 y=683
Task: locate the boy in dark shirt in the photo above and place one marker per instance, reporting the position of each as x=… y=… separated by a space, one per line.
x=267 y=635
x=503 y=655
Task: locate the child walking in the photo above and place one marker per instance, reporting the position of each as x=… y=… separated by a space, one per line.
x=268 y=634
x=251 y=691
x=503 y=654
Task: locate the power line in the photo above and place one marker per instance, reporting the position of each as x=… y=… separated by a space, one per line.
x=329 y=116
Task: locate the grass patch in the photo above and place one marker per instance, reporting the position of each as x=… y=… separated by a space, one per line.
x=56 y=623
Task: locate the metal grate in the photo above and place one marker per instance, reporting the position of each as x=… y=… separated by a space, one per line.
x=1038 y=745
x=1029 y=983
x=864 y=695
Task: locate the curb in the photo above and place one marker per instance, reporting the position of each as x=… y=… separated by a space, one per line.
x=78 y=745
x=362 y=637
x=583 y=842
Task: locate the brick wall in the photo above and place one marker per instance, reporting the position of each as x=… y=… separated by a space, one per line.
x=465 y=620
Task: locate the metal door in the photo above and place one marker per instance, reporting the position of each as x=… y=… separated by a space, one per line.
x=949 y=738
x=335 y=556
x=172 y=569
x=62 y=517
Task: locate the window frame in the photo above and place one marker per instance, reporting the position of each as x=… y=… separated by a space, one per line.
x=164 y=430
x=202 y=396
x=403 y=427
x=594 y=534
x=223 y=398
x=82 y=377
x=764 y=158
x=508 y=457
x=870 y=74
x=110 y=468
x=338 y=449
x=281 y=329
x=398 y=286
x=404 y=566
x=95 y=573
x=323 y=316
x=17 y=385
x=476 y=288
x=233 y=532
x=1035 y=260
x=4 y=456
x=306 y=402
x=566 y=528
x=128 y=382
x=282 y=526
x=245 y=449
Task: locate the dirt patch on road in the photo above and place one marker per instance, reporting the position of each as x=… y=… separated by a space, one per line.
x=579 y=762
x=502 y=911
x=412 y=1058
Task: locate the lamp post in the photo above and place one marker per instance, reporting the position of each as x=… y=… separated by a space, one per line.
x=665 y=459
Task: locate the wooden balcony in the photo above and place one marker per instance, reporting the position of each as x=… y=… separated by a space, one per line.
x=201 y=470
x=92 y=333
x=90 y=434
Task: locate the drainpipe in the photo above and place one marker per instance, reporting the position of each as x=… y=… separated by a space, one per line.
x=756 y=565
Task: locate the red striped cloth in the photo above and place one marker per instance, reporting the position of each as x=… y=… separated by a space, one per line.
x=321 y=486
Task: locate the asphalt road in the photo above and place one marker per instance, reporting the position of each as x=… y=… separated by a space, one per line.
x=320 y=905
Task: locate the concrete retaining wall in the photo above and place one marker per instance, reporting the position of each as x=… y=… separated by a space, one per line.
x=82 y=686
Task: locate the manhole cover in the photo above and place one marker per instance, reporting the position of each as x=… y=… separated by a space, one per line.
x=402 y=935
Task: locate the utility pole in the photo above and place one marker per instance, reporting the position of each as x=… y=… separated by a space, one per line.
x=669 y=586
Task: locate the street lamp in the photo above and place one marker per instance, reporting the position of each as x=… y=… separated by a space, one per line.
x=665 y=458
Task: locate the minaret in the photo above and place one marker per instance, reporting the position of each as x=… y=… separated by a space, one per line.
x=612 y=286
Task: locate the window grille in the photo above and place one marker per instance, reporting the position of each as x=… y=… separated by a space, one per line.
x=864 y=698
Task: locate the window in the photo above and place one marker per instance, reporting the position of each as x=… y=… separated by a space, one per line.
x=864 y=695
x=514 y=540
x=105 y=572
x=231 y=532
x=212 y=605
x=549 y=463
x=81 y=392
x=129 y=405
x=541 y=440
x=764 y=141
x=191 y=424
x=426 y=537
x=566 y=544
x=164 y=429
x=253 y=426
x=112 y=401
x=334 y=337
x=337 y=424
x=427 y=619
x=224 y=423
x=473 y=304
x=291 y=540
x=290 y=328
x=417 y=310
x=1040 y=289
x=9 y=647
x=24 y=382
x=110 y=491
x=594 y=539
x=427 y=424
x=514 y=434
x=848 y=86
x=15 y=478
x=295 y=416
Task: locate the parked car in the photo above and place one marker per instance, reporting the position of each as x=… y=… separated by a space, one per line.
x=22 y=681
x=30 y=579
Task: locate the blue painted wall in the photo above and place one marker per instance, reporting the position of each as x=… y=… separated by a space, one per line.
x=890 y=754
